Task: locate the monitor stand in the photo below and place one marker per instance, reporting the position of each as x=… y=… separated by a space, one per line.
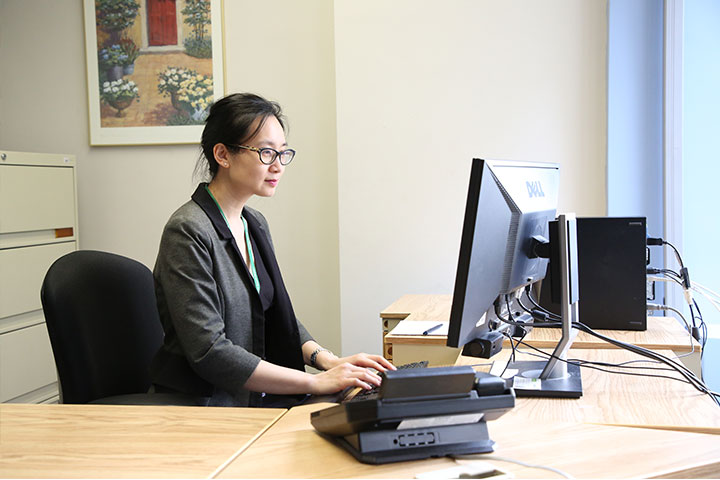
x=555 y=377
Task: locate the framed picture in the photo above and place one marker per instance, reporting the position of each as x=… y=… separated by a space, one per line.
x=154 y=67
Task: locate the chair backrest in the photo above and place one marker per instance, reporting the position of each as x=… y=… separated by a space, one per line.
x=103 y=322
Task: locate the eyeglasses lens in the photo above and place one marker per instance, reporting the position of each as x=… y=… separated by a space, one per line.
x=286 y=156
x=267 y=155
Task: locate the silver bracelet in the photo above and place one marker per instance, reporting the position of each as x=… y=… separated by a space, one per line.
x=314 y=354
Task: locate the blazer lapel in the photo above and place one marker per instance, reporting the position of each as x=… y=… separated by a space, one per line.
x=205 y=201
x=207 y=204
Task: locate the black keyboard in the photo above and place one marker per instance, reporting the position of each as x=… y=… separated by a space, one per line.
x=374 y=392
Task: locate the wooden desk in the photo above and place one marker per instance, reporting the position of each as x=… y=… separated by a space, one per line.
x=292 y=449
x=614 y=399
x=102 y=441
x=663 y=333
x=679 y=438
x=67 y=441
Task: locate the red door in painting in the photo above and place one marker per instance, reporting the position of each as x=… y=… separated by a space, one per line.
x=162 y=22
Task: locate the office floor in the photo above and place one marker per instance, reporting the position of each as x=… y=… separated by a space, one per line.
x=153 y=109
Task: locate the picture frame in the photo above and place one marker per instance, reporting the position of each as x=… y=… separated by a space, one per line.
x=154 y=67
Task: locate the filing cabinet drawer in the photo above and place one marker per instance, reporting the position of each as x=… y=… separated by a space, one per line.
x=38 y=225
x=23 y=270
x=36 y=198
x=26 y=361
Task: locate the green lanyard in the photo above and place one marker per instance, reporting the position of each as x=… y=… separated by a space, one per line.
x=253 y=270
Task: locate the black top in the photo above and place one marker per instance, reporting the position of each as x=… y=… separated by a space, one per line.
x=267 y=290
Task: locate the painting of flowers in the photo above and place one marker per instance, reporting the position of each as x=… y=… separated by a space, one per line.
x=154 y=69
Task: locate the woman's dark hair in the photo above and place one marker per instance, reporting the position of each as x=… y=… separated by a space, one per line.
x=230 y=122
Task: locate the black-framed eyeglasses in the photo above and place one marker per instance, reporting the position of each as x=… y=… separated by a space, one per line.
x=268 y=155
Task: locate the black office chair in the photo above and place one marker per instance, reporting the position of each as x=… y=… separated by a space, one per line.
x=104 y=328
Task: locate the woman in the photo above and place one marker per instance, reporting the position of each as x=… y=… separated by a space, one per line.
x=231 y=336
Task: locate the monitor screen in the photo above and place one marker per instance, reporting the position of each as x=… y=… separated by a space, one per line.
x=508 y=204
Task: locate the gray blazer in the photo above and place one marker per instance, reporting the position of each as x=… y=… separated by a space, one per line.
x=209 y=307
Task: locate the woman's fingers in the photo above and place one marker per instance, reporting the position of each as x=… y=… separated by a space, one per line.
x=363 y=375
x=385 y=363
x=377 y=362
x=345 y=375
x=359 y=383
x=372 y=377
x=380 y=364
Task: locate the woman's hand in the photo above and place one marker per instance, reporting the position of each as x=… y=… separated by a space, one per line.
x=342 y=376
x=364 y=360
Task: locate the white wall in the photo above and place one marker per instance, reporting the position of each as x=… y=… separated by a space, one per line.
x=423 y=87
x=126 y=194
x=371 y=209
x=283 y=49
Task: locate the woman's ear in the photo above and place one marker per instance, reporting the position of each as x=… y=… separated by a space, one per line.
x=221 y=155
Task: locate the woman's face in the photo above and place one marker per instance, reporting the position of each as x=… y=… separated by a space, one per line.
x=248 y=175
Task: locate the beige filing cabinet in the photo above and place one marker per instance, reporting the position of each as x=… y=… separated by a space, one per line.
x=38 y=224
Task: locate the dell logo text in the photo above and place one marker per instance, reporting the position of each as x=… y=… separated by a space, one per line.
x=535 y=189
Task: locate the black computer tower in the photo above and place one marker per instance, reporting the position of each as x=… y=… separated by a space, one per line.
x=612 y=273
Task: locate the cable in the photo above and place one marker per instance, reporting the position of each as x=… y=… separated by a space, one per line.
x=665 y=271
x=540 y=309
x=689 y=376
x=714 y=300
x=702 y=323
x=539 y=316
x=589 y=364
x=498 y=314
x=684 y=371
x=482 y=456
x=659 y=307
x=624 y=364
x=513 y=345
x=636 y=349
x=651 y=306
x=512 y=353
x=545 y=355
x=659 y=241
x=537 y=305
x=677 y=254
x=684 y=279
x=715 y=303
x=681 y=369
x=666 y=278
x=692 y=315
x=672 y=273
x=522 y=305
x=699 y=332
x=704 y=291
x=654 y=306
x=592 y=365
x=714 y=294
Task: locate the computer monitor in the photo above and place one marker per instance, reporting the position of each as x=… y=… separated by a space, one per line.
x=505 y=246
